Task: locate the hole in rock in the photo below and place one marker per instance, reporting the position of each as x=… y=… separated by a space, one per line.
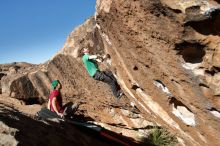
x=191 y=52
x=147 y=66
x=208 y=26
x=135 y=87
x=135 y=68
x=203 y=85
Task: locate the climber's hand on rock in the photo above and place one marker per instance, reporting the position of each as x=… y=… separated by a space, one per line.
x=99 y=60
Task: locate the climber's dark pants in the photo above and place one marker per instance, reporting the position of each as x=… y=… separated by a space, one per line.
x=108 y=77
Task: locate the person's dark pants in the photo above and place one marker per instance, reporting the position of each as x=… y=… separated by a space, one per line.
x=108 y=77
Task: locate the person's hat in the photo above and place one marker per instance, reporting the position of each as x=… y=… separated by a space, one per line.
x=54 y=84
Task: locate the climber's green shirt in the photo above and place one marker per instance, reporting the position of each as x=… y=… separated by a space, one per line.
x=91 y=65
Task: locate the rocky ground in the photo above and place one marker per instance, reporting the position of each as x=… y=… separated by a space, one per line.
x=165 y=55
x=19 y=126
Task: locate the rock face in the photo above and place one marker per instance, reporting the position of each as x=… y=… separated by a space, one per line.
x=165 y=54
x=19 y=129
x=168 y=42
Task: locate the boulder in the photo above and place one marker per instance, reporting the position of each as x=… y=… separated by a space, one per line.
x=18 y=86
x=41 y=83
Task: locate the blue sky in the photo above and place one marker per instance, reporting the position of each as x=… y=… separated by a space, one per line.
x=34 y=30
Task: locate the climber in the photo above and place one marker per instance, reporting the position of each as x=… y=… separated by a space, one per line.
x=90 y=62
x=55 y=102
